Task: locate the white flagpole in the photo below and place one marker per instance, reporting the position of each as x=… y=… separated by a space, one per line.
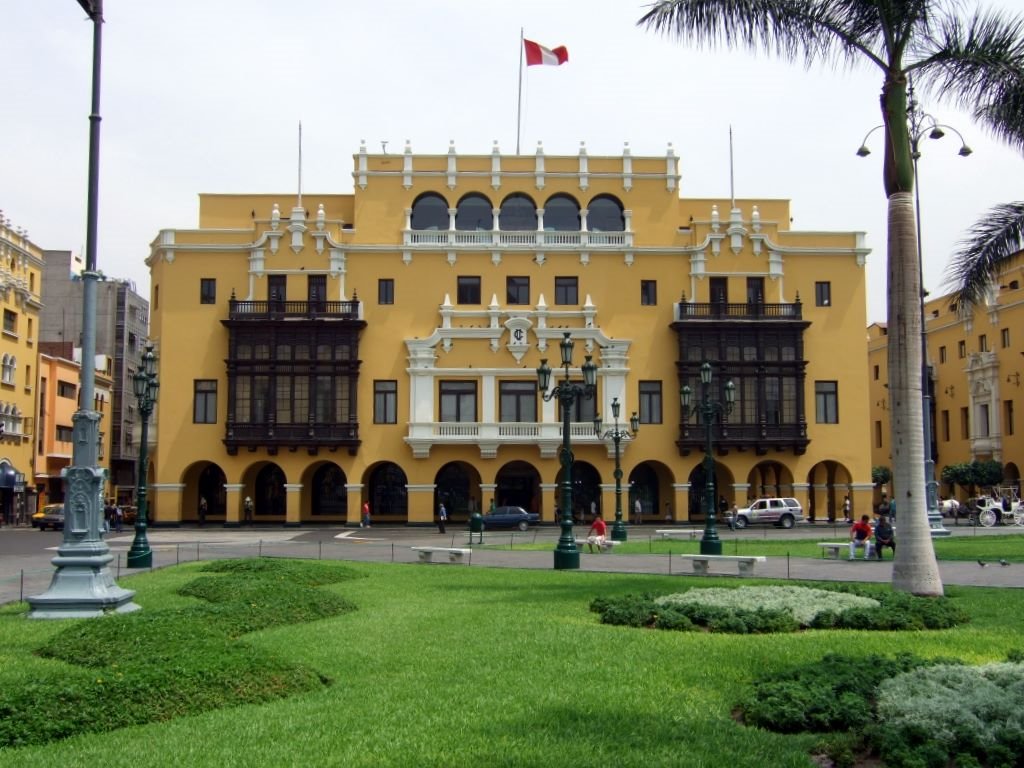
x=732 y=184
x=299 y=205
x=519 y=108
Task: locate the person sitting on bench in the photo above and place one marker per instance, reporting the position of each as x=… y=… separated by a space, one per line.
x=885 y=536
x=860 y=536
x=597 y=534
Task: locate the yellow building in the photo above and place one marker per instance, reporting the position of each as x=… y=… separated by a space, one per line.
x=21 y=264
x=976 y=368
x=319 y=352
x=60 y=375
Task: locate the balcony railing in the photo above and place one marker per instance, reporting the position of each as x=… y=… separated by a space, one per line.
x=282 y=310
x=457 y=238
x=310 y=436
x=759 y=438
x=720 y=310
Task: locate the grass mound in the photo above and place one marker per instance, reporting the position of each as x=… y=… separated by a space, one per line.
x=149 y=666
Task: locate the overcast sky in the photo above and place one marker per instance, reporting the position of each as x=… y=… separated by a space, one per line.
x=205 y=96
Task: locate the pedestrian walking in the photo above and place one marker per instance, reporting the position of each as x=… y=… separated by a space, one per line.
x=118 y=518
x=638 y=509
x=202 y=511
x=366 y=515
x=247 y=507
x=442 y=517
x=846 y=508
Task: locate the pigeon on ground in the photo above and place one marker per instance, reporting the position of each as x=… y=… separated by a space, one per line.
x=982 y=563
x=1003 y=562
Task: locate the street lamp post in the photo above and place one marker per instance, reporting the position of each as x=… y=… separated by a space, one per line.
x=82 y=585
x=616 y=435
x=567 y=556
x=710 y=544
x=922 y=125
x=146 y=388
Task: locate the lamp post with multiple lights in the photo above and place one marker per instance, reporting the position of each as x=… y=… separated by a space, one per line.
x=146 y=388
x=706 y=409
x=922 y=125
x=616 y=435
x=567 y=555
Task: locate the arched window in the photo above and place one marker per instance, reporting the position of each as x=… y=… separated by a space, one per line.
x=474 y=213
x=430 y=211
x=518 y=214
x=7 y=369
x=562 y=214
x=604 y=214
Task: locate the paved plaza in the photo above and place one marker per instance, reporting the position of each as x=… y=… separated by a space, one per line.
x=25 y=553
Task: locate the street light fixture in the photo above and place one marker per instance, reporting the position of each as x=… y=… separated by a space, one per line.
x=616 y=435
x=146 y=388
x=922 y=125
x=567 y=556
x=706 y=409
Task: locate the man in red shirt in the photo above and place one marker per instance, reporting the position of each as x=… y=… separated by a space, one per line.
x=860 y=536
x=597 y=534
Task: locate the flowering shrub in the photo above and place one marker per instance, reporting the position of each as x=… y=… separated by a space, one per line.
x=803 y=603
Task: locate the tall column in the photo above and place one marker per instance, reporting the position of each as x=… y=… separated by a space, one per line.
x=549 y=494
x=354 y=514
x=421 y=503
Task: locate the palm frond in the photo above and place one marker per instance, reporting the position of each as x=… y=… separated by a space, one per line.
x=978 y=63
x=814 y=30
x=980 y=257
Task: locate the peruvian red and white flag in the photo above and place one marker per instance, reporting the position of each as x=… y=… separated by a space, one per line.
x=538 y=54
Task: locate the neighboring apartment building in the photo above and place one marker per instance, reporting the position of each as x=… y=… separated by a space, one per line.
x=122 y=325
x=60 y=369
x=381 y=346
x=976 y=366
x=21 y=267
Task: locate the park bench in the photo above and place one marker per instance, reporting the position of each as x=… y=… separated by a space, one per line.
x=455 y=554
x=745 y=563
x=674 y=533
x=608 y=544
x=833 y=549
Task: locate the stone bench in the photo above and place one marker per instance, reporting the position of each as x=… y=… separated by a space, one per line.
x=455 y=554
x=674 y=533
x=833 y=549
x=745 y=563
x=608 y=544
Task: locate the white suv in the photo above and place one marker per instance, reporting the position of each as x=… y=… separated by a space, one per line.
x=784 y=512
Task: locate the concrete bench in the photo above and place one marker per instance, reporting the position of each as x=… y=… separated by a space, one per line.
x=678 y=533
x=607 y=545
x=455 y=554
x=833 y=549
x=745 y=563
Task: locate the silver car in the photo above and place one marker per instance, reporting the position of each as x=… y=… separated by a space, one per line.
x=783 y=512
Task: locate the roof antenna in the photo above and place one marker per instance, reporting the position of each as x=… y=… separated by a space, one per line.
x=384 y=147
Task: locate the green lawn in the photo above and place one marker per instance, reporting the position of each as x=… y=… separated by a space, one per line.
x=450 y=666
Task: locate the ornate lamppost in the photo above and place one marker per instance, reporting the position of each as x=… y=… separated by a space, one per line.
x=82 y=584
x=710 y=544
x=922 y=125
x=567 y=556
x=146 y=388
x=616 y=435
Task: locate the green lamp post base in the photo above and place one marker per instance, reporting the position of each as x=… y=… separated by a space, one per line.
x=711 y=546
x=619 y=531
x=142 y=559
x=567 y=560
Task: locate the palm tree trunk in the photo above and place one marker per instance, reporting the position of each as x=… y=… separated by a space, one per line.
x=915 y=569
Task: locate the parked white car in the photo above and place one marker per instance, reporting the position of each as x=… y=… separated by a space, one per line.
x=780 y=511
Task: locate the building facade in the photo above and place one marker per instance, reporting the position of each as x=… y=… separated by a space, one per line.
x=21 y=267
x=59 y=386
x=380 y=347
x=975 y=364
x=122 y=328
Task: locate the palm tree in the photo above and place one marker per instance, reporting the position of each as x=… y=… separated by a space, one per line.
x=976 y=62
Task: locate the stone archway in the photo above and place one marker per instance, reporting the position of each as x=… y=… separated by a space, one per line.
x=457 y=484
x=518 y=484
x=586 y=489
x=328 y=497
x=828 y=483
x=388 y=493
